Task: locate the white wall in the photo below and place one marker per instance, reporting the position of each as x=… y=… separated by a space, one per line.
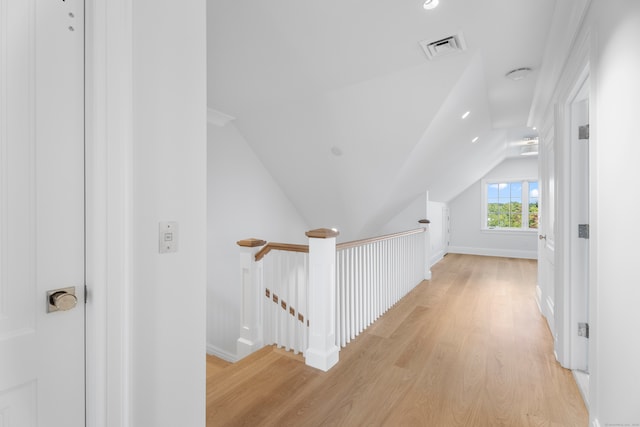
x=408 y=218
x=615 y=290
x=167 y=307
x=465 y=210
x=608 y=40
x=243 y=201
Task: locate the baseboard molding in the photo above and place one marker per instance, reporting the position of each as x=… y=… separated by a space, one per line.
x=582 y=381
x=539 y=298
x=505 y=253
x=224 y=355
x=551 y=307
x=437 y=257
x=595 y=423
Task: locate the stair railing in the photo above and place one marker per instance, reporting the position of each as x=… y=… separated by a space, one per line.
x=313 y=299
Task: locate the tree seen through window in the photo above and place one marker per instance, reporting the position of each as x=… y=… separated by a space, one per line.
x=508 y=203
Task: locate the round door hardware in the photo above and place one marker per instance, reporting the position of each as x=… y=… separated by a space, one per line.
x=61 y=299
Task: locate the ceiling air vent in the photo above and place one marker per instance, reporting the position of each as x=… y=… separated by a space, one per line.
x=444 y=47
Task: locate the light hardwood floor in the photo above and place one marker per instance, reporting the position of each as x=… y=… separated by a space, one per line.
x=468 y=348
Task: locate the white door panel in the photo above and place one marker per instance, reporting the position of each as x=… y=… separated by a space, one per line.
x=546 y=245
x=41 y=211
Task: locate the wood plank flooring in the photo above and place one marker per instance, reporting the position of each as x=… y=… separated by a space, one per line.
x=468 y=348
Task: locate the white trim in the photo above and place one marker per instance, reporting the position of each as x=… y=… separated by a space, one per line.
x=109 y=143
x=510 y=231
x=551 y=307
x=504 y=253
x=218 y=118
x=582 y=381
x=222 y=354
x=595 y=423
x=436 y=258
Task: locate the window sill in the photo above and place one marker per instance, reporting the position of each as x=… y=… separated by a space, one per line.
x=511 y=232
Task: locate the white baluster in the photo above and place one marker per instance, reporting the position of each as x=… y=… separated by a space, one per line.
x=352 y=295
x=341 y=286
x=366 y=280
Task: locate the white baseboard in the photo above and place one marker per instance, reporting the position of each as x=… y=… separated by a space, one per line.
x=582 y=381
x=436 y=258
x=222 y=354
x=596 y=423
x=505 y=253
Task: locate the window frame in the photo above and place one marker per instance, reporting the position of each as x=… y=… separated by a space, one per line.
x=524 y=228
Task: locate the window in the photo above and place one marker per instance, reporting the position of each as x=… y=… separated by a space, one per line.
x=510 y=205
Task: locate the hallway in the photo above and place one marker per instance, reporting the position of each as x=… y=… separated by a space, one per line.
x=468 y=348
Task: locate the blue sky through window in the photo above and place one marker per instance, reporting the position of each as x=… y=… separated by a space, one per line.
x=533 y=192
x=505 y=192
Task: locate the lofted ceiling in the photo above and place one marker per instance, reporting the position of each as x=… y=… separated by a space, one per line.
x=342 y=106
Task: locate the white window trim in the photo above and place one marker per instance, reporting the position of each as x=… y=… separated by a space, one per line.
x=525 y=199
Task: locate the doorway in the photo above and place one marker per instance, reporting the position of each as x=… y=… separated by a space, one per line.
x=579 y=235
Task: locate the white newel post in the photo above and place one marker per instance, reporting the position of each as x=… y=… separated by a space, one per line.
x=251 y=334
x=427 y=249
x=323 y=351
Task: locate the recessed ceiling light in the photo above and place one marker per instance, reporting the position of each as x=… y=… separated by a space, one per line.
x=431 y=4
x=465 y=115
x=474 y=140
x=518 y=73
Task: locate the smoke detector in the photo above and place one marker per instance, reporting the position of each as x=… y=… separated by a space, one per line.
x=444 y=47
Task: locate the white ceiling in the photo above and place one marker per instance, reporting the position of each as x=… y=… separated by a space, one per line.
x=303 y=77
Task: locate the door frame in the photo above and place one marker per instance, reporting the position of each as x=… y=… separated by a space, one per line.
x=568 y=287
x=109 y=216
x=575 y=73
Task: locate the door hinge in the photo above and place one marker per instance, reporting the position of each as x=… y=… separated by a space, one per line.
x=583 y=330
x=583 y=132
x=86 y=293
x=583 y=231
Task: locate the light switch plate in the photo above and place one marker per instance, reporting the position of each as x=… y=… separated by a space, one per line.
x=168 y=237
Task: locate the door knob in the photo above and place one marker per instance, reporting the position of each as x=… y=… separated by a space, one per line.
x=61 y=299
x=542 y=236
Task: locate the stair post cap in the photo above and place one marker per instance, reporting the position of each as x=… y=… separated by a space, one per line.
x=251 y=243
x=322 y=233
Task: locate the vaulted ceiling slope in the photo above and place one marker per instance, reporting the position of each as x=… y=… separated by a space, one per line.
x=340 y=103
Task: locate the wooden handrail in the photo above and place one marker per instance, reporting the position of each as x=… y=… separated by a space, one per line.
x=280 y=247
x=271 y=246
x=356 y=243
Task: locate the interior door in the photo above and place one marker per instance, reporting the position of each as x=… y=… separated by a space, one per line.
x=41 y=213
x=546 y=242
